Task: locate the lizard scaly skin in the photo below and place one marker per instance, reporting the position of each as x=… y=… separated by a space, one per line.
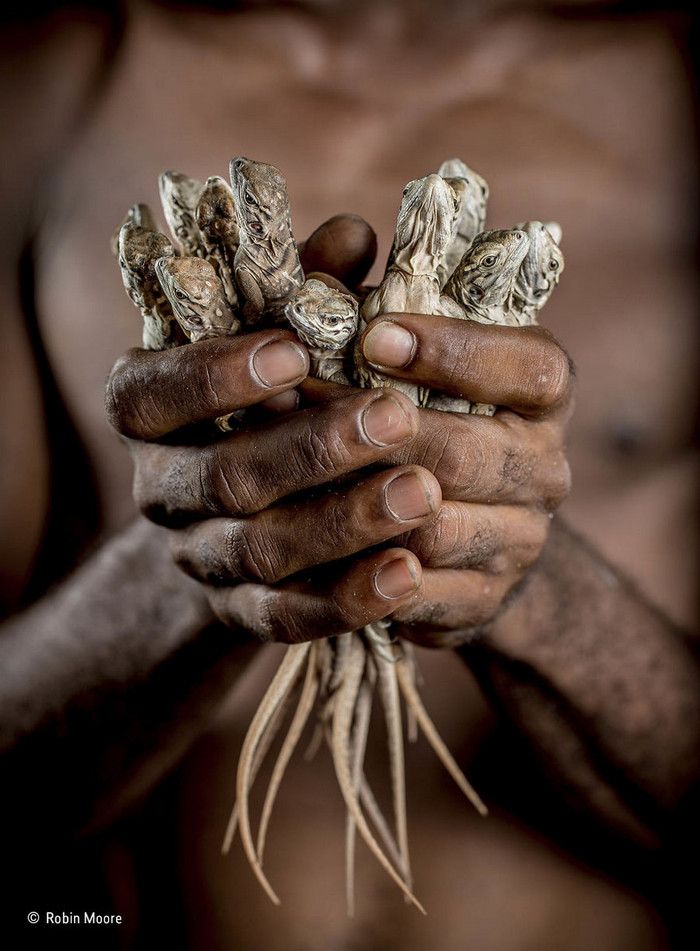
x=267 y=269
x=139 y=247
x=325 y=320
x=216 y=220
x=472 y=194
x=179 y=195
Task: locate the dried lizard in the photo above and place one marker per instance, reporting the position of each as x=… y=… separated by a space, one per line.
x=472 y=194
x=326 y=321
x=540 y=271
x=267 y=269
x=424 y=228
x=482 y=289
x=139 y=247
x=218 y=226
x=179 y=196
x=197 y=298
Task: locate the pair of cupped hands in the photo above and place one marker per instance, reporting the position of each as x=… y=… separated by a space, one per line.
x=335 y=506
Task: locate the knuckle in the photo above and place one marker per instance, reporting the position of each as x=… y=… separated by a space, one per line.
x=249 y=555
x=557 y=483
x=124 y=413
x=248 y=606
x=551 y=385
x=223 y=484
x=265 y=622
x=326 y=452
x=211 y=387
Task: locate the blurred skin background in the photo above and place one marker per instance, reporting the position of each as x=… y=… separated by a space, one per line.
x=583 y=114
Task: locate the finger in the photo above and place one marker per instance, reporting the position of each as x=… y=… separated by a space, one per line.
x=345 y=246
x=502 y=459
x=252 y=469
x=287 y=538
x=337 y=602
x=519 y=367
x=152 y=393
x=496 y=539
x=448 y=605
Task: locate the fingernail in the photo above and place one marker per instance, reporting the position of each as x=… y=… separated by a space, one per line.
x=389 y=345
x=385 y=422
x=285 y=402
x=395 y=579
x=407 y=497
x=279 y=362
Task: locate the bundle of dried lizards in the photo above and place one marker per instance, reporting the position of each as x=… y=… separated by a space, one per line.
x=236 y=269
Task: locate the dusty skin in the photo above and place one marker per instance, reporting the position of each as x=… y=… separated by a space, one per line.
x=580 y=120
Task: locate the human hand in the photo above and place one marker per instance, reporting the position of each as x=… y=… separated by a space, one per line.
x=501 y=477
x=278 y=566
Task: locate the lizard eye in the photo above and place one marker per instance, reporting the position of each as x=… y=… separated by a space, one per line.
x=180 y=294
x=405 y=191
x=553 y=265
x=333 y=320
x=489 y=260
x=249 y=199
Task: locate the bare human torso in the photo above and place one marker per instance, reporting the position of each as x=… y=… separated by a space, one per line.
x=583 y=122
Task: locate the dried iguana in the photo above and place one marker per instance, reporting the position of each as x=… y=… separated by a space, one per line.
x=139 y=246
x=179 y=195
x=424 y=228
x=540 y=271
x=472 y=194
x=326 y=321
x=218 y=227
x=197 y=298
x=267 y=269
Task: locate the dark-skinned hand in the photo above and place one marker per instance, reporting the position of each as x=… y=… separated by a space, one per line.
x=340 y=506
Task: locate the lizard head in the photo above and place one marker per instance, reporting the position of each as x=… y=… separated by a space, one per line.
x=424 y=225
x=322 y=316
x=262 y=202
x=196 y=296
x=489 y=266
x=216 y=210
x=472 y=193
x=542 y=266
x=139 y=249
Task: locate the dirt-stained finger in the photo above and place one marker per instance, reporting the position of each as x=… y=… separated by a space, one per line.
x=152 y=393
x=284 y=539
x=491 y=538
x=339 y=600
x=523 y=368
x=251 y=469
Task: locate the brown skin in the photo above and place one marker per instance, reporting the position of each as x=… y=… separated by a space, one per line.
x=618 y=747
x=247 y=473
